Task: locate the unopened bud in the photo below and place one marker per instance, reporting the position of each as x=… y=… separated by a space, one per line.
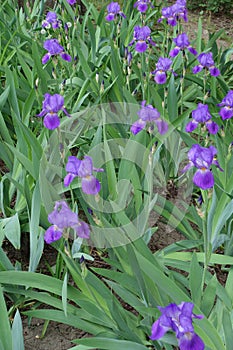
x=97 y=220
x=97 y=77
x=37 y=83
x=200 y=212
x=102 y=87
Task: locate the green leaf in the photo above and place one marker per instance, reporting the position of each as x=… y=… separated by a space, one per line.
x=26 y=163
x=227 y=328
x=76 y=320
x=137 y=272
x=229 y=284
x=111 y=344
x=12 y=94
x=11 y=229
x=64 y=295
x=211 y=214
x=17 y=333
x=5 y=332
x=215 y=258
x=195 y=280
x=42 y=74
x=36 y=236
x=4 y=96
x=172 y=100
x=209 y=295
x=199 y=35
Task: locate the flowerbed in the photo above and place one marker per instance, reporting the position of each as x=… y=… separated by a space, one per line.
x=101 y=114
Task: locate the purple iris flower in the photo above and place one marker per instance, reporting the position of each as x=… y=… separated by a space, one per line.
x=206 y=61
x=163 y=66
x=182 y=43
x=202 y=115
x=142 y=38
x=148 y=114
x=142 y=5
x=202 y=158
x=114 y=9
x=84 y=169
x=71 y=2
x=54 y=48
x=174 y=13
x=62 y=218
x=178 y=318
x=227 y=103
x=51 y=18
x=52 y=104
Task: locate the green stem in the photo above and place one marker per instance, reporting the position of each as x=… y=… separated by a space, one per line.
x=182 y=81
x=143 y=80
x=207 y=245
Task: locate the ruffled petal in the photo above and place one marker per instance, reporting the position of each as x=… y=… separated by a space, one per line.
x=160 y=77
x=141 y=46
x=82 y=229
x=204 y=179
x=51 y=121
x=226 y=112
x=197 y=69
x=73 y=164
x=192 y=50
x=215 y=72
x=68 y=179
x=174 y=52
x=157 y=330
x=52 y=234
x=192 y=125
x=90 y=185
x=86 y=167
x=110 y=17
x=162 y=126
x=142 y=7
x=46 y=58
x=191 y=341
x=138 y=126
x=66 y=57
x=212 y=127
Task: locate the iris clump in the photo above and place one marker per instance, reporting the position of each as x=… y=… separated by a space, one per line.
x=83 y=169
x=174 y=13
x=52 y=104
x=226 y=112
x=178 y=318
x=182 y=43
x=203 y=116
x=54 y=48
x=202 y=158
x=51 y=19
x=149 y=115
x=142 y=5
x=162 y=67
x=142 y=38
x=206 y=61
x=61 y=219
x=114 y=10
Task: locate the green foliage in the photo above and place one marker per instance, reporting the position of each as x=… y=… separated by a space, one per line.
x=142 y=180
x=211 y=5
